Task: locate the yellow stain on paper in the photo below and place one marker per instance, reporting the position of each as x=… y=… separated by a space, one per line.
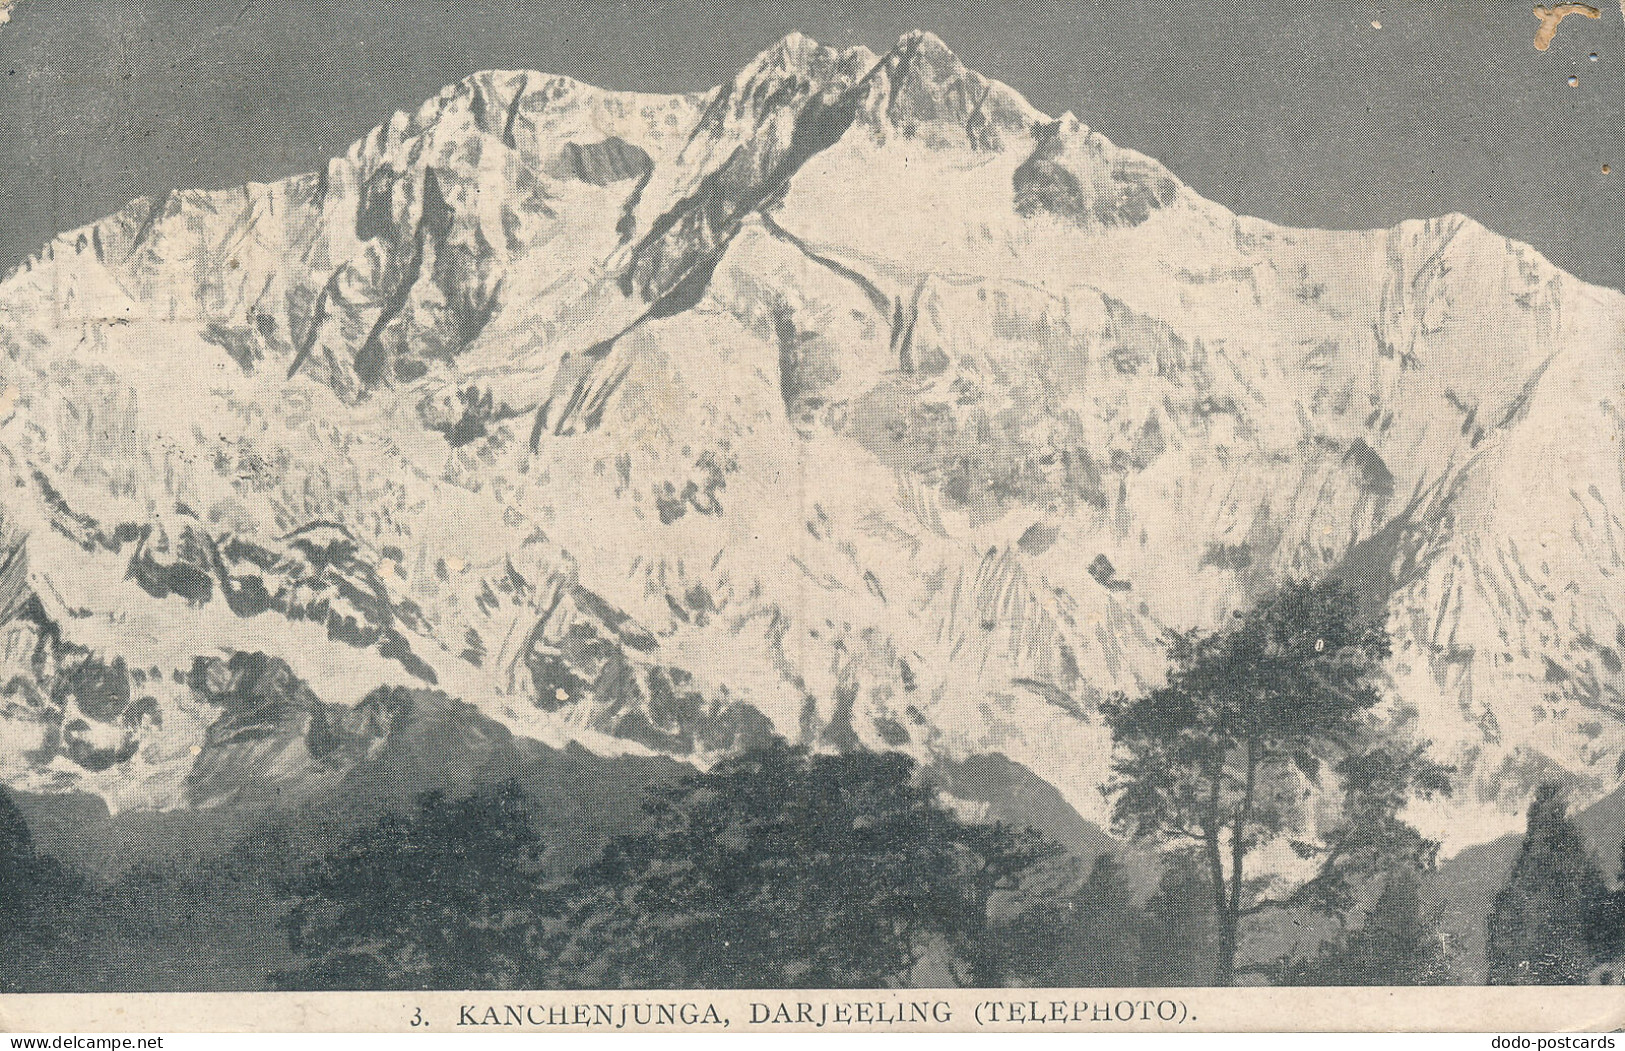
x=1552 y=17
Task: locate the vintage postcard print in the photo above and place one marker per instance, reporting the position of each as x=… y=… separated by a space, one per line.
x=730 y=515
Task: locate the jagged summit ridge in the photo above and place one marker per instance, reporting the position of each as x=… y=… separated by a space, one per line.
x=853 y=400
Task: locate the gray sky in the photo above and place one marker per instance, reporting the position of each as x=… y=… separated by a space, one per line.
x=1297 y=112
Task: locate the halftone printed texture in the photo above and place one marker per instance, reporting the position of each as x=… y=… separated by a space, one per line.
x=847 y=396
x=1306 y=114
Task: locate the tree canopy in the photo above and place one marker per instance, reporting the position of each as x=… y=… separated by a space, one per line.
x=783 y=868
x=777 y=868
x=443 y=897
x=1256 y=724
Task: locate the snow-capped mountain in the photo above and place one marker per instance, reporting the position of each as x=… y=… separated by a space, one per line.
x=854 y=400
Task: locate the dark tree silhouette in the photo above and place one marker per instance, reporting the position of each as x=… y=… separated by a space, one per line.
x=447 y=897
x=17 y=863
x=35 y=890
x=779 y=868
x=1397 y=944
x=1545 y=922
x=1228 y=755
x=1608 y=932
x=1084 y=937
x=1178 y=937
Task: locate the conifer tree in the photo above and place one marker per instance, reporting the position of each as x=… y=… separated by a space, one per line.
x=1608 y=932
x=1542 y=926
x=1084 y=937
x=1398 y=943
x=1178 y=939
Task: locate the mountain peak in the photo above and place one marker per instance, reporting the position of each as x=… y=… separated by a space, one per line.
x=795 y=53
x=797 y=48
x=794 y=42
x=923 y=41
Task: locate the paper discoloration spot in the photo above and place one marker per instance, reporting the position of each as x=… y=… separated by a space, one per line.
x=1552 y=17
